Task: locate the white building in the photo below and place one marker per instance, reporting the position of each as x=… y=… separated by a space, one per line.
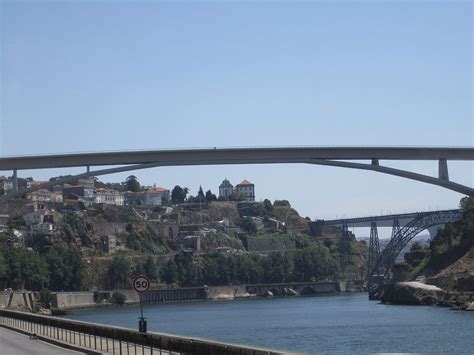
x=6 y=184
x=110 y=197
x=156 y=196
x=42 y=195
x=225 y=189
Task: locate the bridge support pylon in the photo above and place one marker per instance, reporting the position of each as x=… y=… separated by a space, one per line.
x=346 y=250
x=374 y=250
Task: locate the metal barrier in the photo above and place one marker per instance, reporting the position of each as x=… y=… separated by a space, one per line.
x=115 y=340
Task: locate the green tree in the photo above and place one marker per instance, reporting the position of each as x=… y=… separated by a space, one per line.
x=237 y=196
x=200 y=193
x=248 y=225
x=210 y=196
x=118 y=298
x=65 y=268
x=178 y=194
x=169 y=272
x=119 y=272
x=282 y=203
x=267 y=204
x=132 y=184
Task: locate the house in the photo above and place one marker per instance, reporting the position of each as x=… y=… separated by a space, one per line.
x=85 y=193
x=6 y=184
x=42 y=195
x=56 y=197
x=248 y=189
x=34 y=183
x=156 y=196
x=41 y=216
x=33 y=207
x=133 y=198
x=225 y=189
x=109 y=243
x=109 y=196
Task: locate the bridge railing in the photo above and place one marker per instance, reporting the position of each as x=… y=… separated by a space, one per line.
x=102 y=338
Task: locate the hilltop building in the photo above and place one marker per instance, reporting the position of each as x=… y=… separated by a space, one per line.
x=248 y=189
x=225 y=189
x=156 y=196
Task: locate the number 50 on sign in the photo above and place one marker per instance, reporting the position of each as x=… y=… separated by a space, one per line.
x=141 y=283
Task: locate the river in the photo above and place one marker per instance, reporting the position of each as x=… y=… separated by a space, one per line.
x=339 y=324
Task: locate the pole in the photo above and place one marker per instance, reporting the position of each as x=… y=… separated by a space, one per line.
x=142 y=324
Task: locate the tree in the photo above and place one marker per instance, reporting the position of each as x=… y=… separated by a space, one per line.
x=65 y=268
x=119 y=272
x=132 y=184
x=248 y=225
x=169 y=272
x=267 y=204
x=283 y=203
x=178 y=194
x=210 y=196
x=237 y=196
x=200 y=193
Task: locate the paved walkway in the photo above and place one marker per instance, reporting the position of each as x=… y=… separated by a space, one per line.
x=13 y=343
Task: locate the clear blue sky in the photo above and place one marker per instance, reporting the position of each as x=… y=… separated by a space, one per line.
x=107 y=75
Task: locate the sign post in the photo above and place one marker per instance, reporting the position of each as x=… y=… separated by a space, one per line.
x=141 y=284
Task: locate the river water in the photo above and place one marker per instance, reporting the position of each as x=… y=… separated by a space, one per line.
x=339 y=324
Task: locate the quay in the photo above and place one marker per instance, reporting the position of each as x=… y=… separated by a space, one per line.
x=93 y=338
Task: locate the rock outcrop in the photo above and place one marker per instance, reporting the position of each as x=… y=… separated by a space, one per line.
x=412 y=293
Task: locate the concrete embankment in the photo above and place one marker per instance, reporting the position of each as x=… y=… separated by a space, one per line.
x=69 y=300
x=22 y=300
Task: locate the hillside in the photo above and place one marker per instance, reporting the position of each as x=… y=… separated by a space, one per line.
x=449 y=260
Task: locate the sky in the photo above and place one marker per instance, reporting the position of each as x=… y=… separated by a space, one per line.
x=127 y=75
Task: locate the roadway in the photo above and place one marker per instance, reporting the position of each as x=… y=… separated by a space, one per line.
x=217 y=156
x=13 y=343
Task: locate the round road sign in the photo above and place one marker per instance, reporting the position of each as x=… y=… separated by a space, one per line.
x=141 y=283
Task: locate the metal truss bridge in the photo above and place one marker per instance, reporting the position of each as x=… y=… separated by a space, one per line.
x=405 y=227
x=344 y=157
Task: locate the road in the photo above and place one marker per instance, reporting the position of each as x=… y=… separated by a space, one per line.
x=13 y=343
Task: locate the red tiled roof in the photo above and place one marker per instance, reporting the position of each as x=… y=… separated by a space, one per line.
x=157 y=189
x=245 y=182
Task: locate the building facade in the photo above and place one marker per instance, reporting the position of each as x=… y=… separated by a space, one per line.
x=109 y=197
x=156 y=196
x=248 y=189
x=225 y=189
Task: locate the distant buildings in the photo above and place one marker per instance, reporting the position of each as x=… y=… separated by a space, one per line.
x=245 y=187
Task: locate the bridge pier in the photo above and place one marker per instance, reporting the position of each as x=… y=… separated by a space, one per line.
x=345 y=246
x=374 y=250
x=15 y=180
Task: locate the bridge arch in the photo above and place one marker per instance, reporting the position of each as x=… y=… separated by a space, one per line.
x=405 y=234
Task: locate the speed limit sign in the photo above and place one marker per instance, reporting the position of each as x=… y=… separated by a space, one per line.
x=141 y=283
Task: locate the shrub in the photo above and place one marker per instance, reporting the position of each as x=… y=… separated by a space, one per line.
x=118 y=298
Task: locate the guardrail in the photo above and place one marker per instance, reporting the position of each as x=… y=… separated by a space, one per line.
x=115 y=340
